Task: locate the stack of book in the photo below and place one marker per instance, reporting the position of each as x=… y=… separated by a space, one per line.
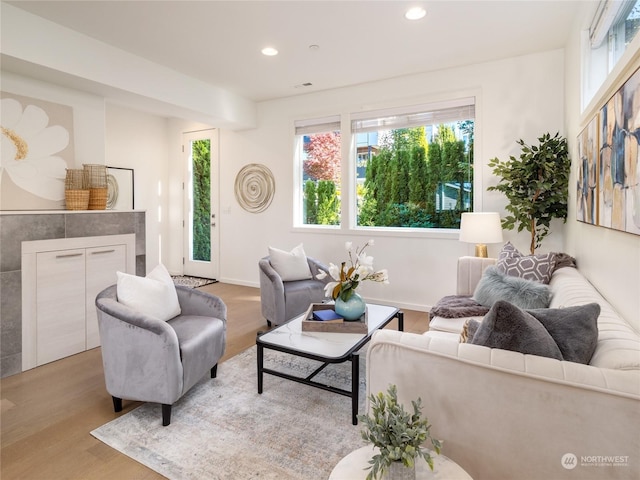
x=328 y=315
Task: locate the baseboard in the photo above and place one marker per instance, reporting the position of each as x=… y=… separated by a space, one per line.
x=242 y=283
x=380 y=301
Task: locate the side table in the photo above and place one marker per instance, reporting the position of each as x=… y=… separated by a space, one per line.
x=352 y=467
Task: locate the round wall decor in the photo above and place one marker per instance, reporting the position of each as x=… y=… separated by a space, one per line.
x=255 y=187
x=112 y=191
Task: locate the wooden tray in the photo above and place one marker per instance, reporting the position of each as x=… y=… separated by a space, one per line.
x=311 y=325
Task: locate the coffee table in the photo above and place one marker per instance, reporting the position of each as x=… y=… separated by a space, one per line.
x=325 y=347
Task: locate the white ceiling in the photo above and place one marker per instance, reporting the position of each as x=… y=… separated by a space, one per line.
x=219 y=42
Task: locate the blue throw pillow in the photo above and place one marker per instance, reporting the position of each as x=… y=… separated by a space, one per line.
x=494 y=286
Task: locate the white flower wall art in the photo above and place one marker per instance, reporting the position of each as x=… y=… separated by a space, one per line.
x=35 y=138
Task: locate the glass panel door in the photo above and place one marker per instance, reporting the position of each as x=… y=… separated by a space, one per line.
x=200 y=218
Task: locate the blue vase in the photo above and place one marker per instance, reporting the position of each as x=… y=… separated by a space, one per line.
x=352 y=309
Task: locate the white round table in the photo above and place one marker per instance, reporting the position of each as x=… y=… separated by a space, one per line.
x=352 y=467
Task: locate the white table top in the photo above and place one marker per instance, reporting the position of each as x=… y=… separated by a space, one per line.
x=352 y=467
x=326 y=344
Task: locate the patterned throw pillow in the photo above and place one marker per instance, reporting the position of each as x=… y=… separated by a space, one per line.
x=538 y=267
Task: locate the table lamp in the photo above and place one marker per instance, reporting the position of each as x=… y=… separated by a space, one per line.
x=480 y=228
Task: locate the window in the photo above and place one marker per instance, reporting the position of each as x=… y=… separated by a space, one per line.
x=319 y=157
x=613 y=28
x=415 y=165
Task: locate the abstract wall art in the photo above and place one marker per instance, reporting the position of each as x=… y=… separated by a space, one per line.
x=619 y=166
x=587 y=187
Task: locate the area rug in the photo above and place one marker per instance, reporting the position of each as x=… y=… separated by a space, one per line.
x=192 y=282
x=222 y=429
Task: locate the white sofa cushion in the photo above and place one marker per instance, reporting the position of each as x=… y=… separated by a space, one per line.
x=618 y=344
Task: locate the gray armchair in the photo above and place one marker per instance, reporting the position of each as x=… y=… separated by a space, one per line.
x=149 y=360
x=282 y=301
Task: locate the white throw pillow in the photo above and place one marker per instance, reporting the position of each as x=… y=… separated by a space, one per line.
x=154 y=295
x=290 y=265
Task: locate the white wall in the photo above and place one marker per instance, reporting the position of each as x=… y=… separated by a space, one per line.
x=140 y=141
x=517 y=98
x=609 y=258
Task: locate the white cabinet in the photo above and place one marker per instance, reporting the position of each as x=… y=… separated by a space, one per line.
x=60 y=304
x=101 y=265
x=61 y=279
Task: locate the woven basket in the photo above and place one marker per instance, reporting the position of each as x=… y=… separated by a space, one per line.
x=74 y=179
x=97 y=199
x=76 y=199
x=95 y=176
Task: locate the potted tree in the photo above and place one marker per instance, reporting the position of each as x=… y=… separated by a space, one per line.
x=536 y=185
x=399 y=436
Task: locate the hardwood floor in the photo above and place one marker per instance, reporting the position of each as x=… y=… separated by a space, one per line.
x=48 y=412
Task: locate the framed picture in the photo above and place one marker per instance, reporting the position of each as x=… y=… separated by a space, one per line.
x=587 y=195
x=619 y=169
x=120 y=191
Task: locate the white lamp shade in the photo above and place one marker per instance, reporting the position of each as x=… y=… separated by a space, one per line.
x=480 y=227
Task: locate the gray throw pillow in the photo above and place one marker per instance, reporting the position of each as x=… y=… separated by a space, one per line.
x=494 y=286
x=574 y=329
x=509 y=328
x=538 y=267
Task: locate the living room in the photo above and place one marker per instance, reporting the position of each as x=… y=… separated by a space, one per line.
x=517 y=96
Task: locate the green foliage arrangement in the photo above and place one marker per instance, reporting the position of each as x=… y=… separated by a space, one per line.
x=399 y=435
x=201 y=200
x=536 y=185
x=321 y=203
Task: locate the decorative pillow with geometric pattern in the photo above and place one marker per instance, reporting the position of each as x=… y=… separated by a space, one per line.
x=538 y=267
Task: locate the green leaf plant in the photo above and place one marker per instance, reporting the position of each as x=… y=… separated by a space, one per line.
x=536 y=185
x=399 y=435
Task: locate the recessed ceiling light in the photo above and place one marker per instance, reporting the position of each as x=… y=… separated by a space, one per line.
x=269 y=51
x=415 y=13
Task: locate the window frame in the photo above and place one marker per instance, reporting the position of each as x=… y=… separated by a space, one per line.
x=305 y=127
x=348 y=224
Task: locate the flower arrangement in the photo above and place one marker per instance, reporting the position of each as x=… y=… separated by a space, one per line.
x=399 y=435
x=348 y=276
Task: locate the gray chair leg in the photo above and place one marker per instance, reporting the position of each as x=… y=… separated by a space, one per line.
x=166 y=414
x=117 y=404
x=214 y=371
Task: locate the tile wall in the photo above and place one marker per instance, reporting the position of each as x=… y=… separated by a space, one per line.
x=16 y=228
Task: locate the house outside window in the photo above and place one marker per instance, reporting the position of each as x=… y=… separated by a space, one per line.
x=414 y=166
x=319 y=166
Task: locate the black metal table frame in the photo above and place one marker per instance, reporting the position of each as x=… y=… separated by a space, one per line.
x=352 y=355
